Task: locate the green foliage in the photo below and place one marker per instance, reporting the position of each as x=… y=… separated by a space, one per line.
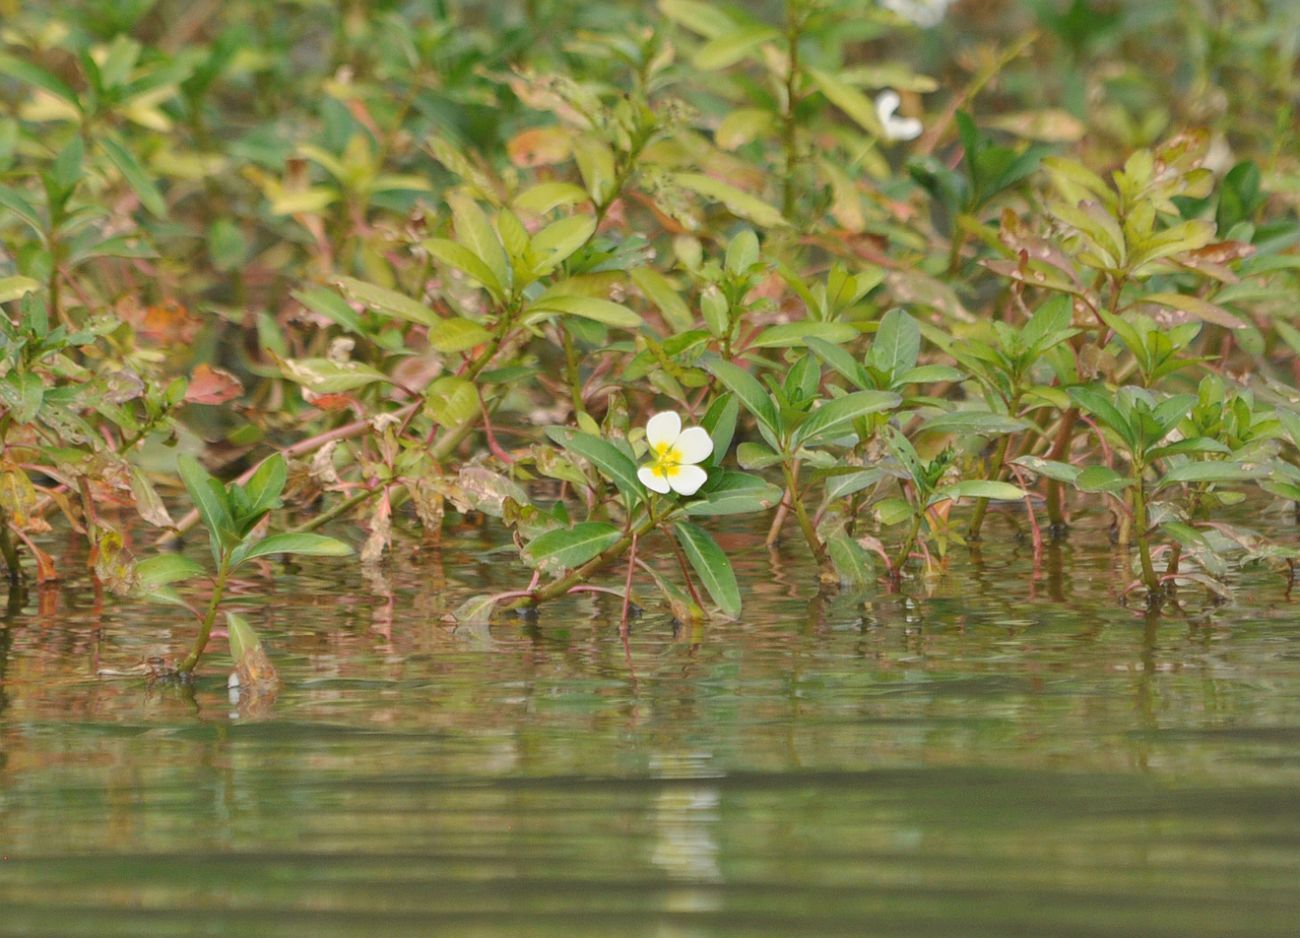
x=456 y=261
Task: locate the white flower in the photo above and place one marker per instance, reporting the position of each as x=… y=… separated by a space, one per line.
x=923 y=13
x=674 y=453
x=896 y=128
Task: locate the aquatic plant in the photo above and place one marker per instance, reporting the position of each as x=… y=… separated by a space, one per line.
x=444 y=266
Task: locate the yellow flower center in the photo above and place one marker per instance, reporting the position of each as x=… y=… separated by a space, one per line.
x=666 y=461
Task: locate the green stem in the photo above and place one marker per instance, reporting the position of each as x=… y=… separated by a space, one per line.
x=1060 y=448
x=205 y=629
x=341 y=508
x=995 y=473
x=801 y=514
x=572 y=372
x=906 y=550
x=1140 y=529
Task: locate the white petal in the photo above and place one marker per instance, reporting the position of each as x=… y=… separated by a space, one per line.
x=886 y=105
x=688 y=479
x=652 y=480
x=902 y=128
x=662 y=430
x=694 y=445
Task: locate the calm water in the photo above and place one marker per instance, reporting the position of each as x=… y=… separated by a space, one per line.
x=1011 y=754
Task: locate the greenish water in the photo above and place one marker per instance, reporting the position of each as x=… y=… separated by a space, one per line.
x=1012 y=754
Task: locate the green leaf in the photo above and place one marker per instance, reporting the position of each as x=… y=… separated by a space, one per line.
x=728 y=49
x=38 y=77
x=566 y=548
x=737 y=202
x=849 y=100
x=588 y=307
x=975 y=423
x=11 y=288
x=162 y=569
x=265 y=485
x=1101 y=479
x=897 y=343
x=332 y=306
x=847 y=483
x=979 y=488
x=555 y=243
x=660 y=291
x=1212 y=471
x=476 y=234
x=596 y=167
x=710 y=565
x=457 y=334
x=548 y=196
x=326 y=376
x=720 y=421
x=387 y=301
x=841 y=361
x=22 y=393
x=210 y=499
x=851 y=561
x=1060 y=471
x=704 y=18
x=892 y=511
x=135 y=176
x=466 y=261
x=836 y=417
x=452 y=402
x=734 y=493
x=605 y=456
x=307 y=545
x=798 y=334
x=756 y=456
x=1096 y=401
x=752 y=395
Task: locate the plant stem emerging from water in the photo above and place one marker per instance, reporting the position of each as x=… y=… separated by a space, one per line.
x=205 y=628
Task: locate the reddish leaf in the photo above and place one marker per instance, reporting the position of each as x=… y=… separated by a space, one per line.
x=212 y=386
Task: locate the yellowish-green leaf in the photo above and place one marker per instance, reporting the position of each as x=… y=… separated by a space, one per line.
x=547 y=196
x=457 y=334
x=467 y=262
x=588 y=307
x=452 y=402
x=737 y=202
x=383 y=300
x=11 y=288
x=849 y=100
x=476 y=235
x=732 y=46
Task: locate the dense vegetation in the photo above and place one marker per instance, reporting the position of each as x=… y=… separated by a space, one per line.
x=423 y=261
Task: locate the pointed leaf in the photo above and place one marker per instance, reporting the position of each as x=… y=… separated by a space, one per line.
x=752 y=395
x=387 y=301
x=710 y=565
x=567 y=548
x=307 y=545
x=605 y=456
x=836 y=417
x=135 y=176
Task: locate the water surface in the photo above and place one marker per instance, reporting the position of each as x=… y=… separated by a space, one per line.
x=1003 y=751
